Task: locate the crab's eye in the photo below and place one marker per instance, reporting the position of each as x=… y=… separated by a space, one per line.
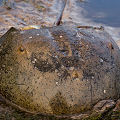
x=21 y=49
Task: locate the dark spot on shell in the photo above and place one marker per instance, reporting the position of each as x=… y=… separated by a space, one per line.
x=64 y=74
x=70 y=61
x=88 y=73
x=21 y=49
x=59 y=105
x=56 y=64
x=45 y=65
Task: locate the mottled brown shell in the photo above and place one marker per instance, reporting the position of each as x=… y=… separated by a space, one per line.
x=58 y=70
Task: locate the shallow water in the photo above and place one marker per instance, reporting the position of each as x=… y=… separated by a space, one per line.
x=103 y=11
x=99 y=11
x=1 y=2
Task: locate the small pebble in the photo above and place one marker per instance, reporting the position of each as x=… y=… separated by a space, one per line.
x=61 y=36
x=101 y=60
x=56 y=56
x=3 y=65
x=30 y=37
x=71 y=68
x=33 y=62
x=56 y=70
x=77 y=35
x=56 y=83
x=104 y=91
x=62 y=66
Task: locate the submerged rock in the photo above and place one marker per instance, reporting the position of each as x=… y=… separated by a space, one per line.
x=59 y=70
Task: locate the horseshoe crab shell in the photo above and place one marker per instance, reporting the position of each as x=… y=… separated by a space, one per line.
x=59 y=70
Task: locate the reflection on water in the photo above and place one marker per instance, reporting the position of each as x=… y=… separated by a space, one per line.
x=104 y=11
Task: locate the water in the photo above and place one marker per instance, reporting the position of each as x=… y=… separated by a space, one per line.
x=100 y=11
x=1 y=2
x=103 y=11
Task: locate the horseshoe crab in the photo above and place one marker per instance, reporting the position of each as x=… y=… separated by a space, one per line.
x=58 y=70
